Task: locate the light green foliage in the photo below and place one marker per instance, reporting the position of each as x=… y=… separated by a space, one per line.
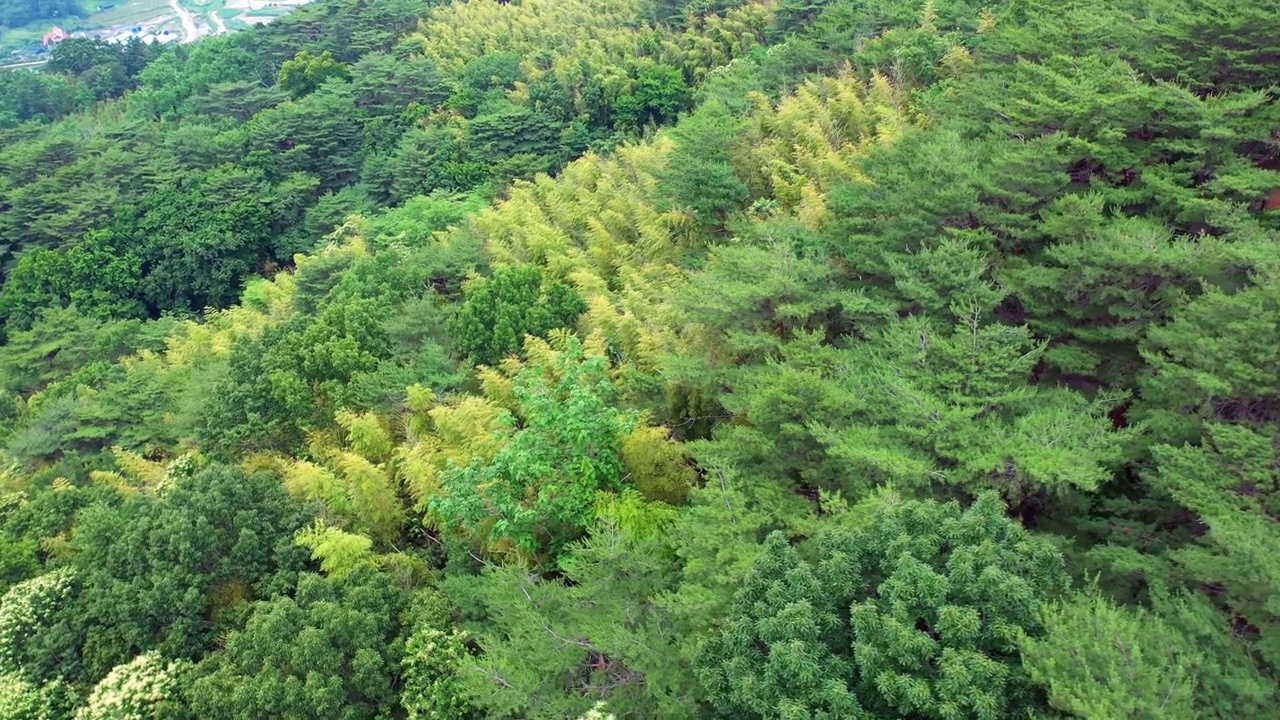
x=920 y=404
x=306 y=72
x=539 y=490
x=26 y=607
x=414 y=223
x=1219 y=360
x=435 y=654
x=657 y=466
x=340 y=553
x=352 y=488
x=21 y=699
x=1229 y=681
x=136 y=690
x=599 y=711
x=920 y=612
x=716 y=540
x=961 y=399
x=1099 y=660
x=432 y=660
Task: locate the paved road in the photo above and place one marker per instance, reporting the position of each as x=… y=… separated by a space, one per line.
x=31 y=63
x=188 y=22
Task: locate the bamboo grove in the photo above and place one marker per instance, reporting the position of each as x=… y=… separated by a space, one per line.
x=641 y=359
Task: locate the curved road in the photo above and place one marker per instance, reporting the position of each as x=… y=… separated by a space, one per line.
x=222 y=27
x=188 y=22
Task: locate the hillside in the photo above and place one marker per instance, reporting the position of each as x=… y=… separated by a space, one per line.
x=637 y=359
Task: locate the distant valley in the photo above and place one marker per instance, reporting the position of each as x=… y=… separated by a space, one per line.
x=150 y=21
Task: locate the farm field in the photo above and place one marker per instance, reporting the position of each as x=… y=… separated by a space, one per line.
x=185 y=20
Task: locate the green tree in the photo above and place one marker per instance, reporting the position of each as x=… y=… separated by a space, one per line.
x=434 y=656
x=552 y=648
x=660 y=94
x=145 y=687
x=1217 y=361
x=1098 y=660
x=500 y=311
x=1232 y=484
x=325 y=652
x=961 y=400
x=305 y=73
x=434 y=159
x=16 y=13
x=318 y=134
x=539 y=490
x=919 y=613
x=699 y=177
x=162 y=574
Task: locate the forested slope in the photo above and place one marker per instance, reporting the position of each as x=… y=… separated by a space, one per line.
x=559 y=359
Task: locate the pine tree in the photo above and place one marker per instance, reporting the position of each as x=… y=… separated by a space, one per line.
x=920 y=612
x=1099 y=660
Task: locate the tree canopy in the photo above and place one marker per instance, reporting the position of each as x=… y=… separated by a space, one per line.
x=645 y=359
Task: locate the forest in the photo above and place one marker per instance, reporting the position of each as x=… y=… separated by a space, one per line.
x=603 y=359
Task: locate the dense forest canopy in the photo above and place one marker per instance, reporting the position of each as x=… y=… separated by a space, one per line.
x=646 y=359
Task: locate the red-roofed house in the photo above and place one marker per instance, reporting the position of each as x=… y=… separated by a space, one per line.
x=56 y=35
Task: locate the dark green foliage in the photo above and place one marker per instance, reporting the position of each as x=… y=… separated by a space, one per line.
x=163 y=573
x=434 y=159
x=514 y=131
x=387 y=84
x=1211 y=46
x=484 y=80
x=42 y=97
x=180 y=252
x=286 y=382
x=318 y=134
x=500 y=311
x=324 y=652
x=259 y=405
x=659 y=97
x=29 y=519
x=699 y=177
x=349 y=30
x=97 y=275
x=107 y=69
x=370 y=327
x=919 y=613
